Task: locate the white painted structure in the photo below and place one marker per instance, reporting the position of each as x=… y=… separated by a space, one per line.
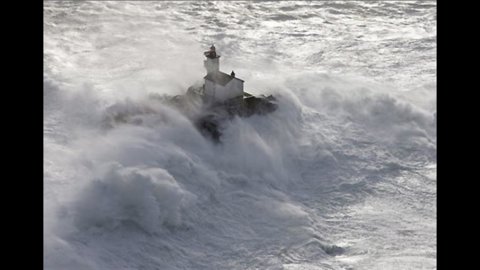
x=220 y=86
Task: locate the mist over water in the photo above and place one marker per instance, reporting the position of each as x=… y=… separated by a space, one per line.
x=341 y=176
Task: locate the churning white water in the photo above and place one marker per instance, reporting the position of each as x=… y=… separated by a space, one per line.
x=341 y=176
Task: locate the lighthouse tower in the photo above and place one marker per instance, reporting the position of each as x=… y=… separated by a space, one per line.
x=212 y=63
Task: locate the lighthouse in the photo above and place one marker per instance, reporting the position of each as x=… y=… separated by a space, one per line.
x=212 y=63
x=220 y=86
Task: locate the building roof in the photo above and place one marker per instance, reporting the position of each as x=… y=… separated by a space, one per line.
x=220 y=78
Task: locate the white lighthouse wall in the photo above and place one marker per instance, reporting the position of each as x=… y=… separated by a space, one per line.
x=209 y=89
x=232 y=89
x=212 y=65
x=238 y=84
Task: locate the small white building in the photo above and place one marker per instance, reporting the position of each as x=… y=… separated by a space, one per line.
x=220 y=86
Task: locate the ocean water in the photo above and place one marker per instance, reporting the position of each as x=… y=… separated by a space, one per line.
x=341 y=176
